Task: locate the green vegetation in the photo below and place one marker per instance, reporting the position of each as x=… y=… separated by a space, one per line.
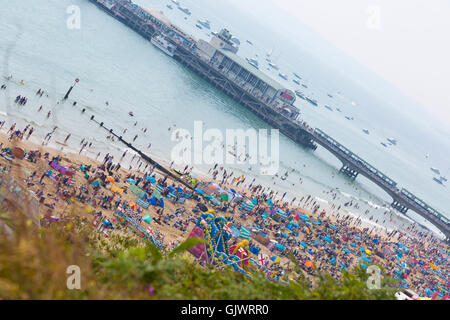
x=33 y=265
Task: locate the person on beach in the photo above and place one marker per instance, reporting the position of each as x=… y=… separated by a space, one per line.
x=67 y=138
x=48 y=114
x=40 y=108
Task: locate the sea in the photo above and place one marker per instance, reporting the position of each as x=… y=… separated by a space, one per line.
x=119 y=71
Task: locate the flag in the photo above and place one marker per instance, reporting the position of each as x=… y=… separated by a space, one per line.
x=227 y=229
x=120 y=208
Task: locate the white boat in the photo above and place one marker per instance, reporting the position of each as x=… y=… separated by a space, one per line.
x=164 y=45
x=282 y=75
x=435 y=170
x=185 y=10
x=273 y=65
x=253 y=62
x=296 y=81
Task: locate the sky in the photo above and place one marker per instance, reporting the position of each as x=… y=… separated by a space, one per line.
x=403 y=41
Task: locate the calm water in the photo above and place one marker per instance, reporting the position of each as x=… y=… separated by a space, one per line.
x=115 y=64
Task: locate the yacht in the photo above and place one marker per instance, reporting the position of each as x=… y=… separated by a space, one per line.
x=383 y=144
x=185 y=10
x=392 y=141
x=164 y=45
x=199 y=26
x=282 y=75
x=348 y=118
x=273 y=65
x=366 y=131
x=300 y=94
x=169 y=6
x=311 y=100
x=253 y=62
x=328 y=107
x=176 y=2
x=330 y=95
x=204 y=23
x=339 y=110
x=437 y=180
x=249 y=42
x=435 y=170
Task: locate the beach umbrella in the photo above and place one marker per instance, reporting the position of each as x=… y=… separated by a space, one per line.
x=279 y=247
x=110 y=179
x=365 y=259
x=223 y=196
x=275 y=259
x=310 y=252
x=295 y=224
x=245 y=233
x=326 y=238
x=247 y=206
x=255 y=201
x=303 y=244
x=346 y=250
x=353 y=245
x=369 y=252
x=285 y=235
x=132 y=205
x=131 y=181
x=309 y=264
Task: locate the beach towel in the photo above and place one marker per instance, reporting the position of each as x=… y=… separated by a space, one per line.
x=144 y=204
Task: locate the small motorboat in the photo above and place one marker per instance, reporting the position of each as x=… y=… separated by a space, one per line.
x=131 y=114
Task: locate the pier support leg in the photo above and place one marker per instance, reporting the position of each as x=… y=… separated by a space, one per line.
x=349 y=172
x=399 y=206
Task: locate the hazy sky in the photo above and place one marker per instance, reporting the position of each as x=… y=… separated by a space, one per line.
x=404 y=41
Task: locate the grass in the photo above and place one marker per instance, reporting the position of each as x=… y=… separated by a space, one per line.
x=33 y=264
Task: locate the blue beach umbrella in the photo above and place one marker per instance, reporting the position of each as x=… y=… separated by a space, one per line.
x=327 y=239
x=363 y=265
x=346 y=250
x=131 y=181
x=353 y=245
x=303 y=244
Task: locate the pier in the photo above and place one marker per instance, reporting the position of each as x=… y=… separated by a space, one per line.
x=262 y=96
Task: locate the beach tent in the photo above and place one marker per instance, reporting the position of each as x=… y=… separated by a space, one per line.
x=346 y=250
x=353 y=245
x=152 y=180
x=310 y=252
x=223 y=196
x=369 y=252
x=326 y=238
x=245 y=233
x=363 y=265
x=303 y=244
x=18 y=152
x=131 y=181
x=316 y=242
x=284 y=235
x=279 y=247
x=247 y=206
x=147 y=218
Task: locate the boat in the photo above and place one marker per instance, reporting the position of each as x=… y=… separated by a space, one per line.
x=442 y=178
x=304 y=85
x=328 y=107
x=366 y=131
x=253 y=62
x=297 y=76
x=330 y=95
x=282 y=75
x=300 y=94
x=339 y=110
x=296 y=81
x=176 y=2
x=185 y=10
x=435 y=170
x=311 y=100
x=383 y=144
x=274 y=66
x=131 y=114
x=199 y=26
x=204 y=23
x=169 y=6
x=236 y=41
x=249 y=42
x=437 y=180
x=392 y=141
x=348 y=118
x=164 y=45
